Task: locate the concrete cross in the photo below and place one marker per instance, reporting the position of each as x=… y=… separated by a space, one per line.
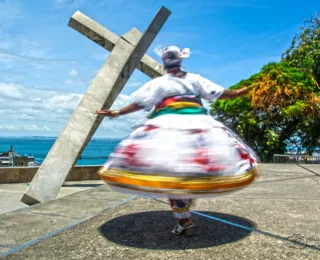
x=107 y=39
x=127 y=53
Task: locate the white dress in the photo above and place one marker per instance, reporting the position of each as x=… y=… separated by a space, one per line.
x=180 y=151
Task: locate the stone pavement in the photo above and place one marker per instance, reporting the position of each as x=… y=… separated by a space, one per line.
x=253 y=223
x=10 y=194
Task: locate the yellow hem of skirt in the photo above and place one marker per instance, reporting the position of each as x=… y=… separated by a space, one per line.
x=203 y=184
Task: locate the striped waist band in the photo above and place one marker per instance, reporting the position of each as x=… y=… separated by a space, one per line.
x=187 y=105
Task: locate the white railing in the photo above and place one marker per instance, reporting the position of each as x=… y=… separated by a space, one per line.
x=296 y=158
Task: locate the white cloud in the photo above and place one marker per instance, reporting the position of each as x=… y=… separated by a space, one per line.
x=31 y=48
x=68 y=3
x=7 y=55
x=42 y=110
x=15 y=49
x=73 y=73
x=134 y=84
x=18 y=103
x=68 y=82
x=10 y=91
x=28 y=127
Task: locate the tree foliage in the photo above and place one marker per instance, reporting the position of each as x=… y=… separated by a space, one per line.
x=304 y=51
x=281 y=110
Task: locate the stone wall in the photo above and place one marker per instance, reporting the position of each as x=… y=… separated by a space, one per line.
x=25 y=174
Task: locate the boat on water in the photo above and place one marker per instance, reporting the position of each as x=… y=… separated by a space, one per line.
x=12 y=159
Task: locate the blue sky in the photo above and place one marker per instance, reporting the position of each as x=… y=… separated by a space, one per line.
x=46 y=66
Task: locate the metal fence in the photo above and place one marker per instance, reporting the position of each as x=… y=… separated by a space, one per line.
x=286 y=158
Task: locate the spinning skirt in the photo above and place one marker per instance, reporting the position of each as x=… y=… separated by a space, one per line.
x=180 y=156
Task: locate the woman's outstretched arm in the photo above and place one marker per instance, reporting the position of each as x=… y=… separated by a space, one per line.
x=123 y=111
x=230 y=94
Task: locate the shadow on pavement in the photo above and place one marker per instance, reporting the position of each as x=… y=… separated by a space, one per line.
x=152 y=230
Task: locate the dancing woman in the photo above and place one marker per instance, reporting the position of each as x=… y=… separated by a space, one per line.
x=180 y=152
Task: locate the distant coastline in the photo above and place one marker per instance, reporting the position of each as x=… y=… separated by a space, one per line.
x=95 y=153
x=54 y=137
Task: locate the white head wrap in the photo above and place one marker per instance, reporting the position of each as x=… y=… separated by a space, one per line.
x=173 y=56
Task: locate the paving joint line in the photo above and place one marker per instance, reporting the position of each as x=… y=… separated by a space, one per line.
x=52 y=233
x=309 y=170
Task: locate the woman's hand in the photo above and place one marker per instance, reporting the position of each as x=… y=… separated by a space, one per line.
x=116 y=113
x=230 y=94
x=108 y=113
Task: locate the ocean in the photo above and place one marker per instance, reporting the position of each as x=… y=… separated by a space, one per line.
x=96 y=152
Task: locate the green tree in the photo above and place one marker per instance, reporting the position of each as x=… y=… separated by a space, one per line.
x=281 y=110
x=304 y=51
